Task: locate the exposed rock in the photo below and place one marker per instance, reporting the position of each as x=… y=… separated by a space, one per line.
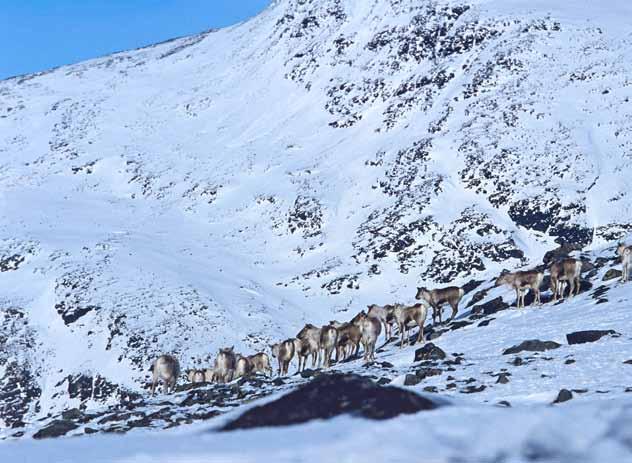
x=412 y=380
x=490 y=307
x=563 y=396
x=569 y=361
x=504 y=403
x=486 y=322
x=473 y=389
x=331 y=395
x=532 y=345
x=581 y=337
x=503 y=378
x=429 y=352
x=628 y=362
x=424 y=373
x=517 y=362
x=308 y=373
x=55 y=428
x=612 y=274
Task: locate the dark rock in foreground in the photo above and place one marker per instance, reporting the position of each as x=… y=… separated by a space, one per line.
x=581 y=337
x=429 y=352
x=563 y=396
x=56 y=428
x=612 y=274
x=328 y=396
x=532 y=345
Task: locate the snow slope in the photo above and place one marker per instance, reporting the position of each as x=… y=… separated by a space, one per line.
x=228 y=187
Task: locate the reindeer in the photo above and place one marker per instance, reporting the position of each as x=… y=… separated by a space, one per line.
x=243 y=367
x=283 y=352
x=370 y=328
x=310 y=339
x=209 y=375
x=328 y=342
x=225 y=364
x=437 y=297
x=261 y=363
x=522 y=281
x=381 y=313
x=403 y=315
x=196 y=376
x=167 y=369
x=625 y=253
x=566 y=270
x=349 y=337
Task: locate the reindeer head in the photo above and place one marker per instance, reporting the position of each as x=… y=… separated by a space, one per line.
x=422 y=292
x=275 y=350
x=620 y=249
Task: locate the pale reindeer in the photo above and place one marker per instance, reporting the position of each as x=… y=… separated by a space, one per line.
x=403 y=315
x=328 y=342
x=625 y=253
x=260 y=363
x=567 y=270
x=283 y=352
x=196 y=376
x=225 y=364
x=209 y=375
x=381 y=313
x=438 y=297
x=349 y=337
x=243 y=367
x=370 y=329
x=310 y=339
x=521 y=282
x=167 y=369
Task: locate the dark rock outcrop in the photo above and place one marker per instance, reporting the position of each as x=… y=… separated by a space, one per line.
x=331 y=395
x=563 y=396
x=55 y=428
x=581 y=337
x=429 y=352
x=532 y=345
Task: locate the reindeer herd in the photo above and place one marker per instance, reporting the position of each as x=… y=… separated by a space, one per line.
x=343 y=339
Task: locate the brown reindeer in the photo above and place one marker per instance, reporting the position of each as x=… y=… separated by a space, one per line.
x=310 y=339
x=283 y=352
x=566 y=270
x=243 y=367
x=260 y=363
x=522 y=281
x=225 y=364
x=437 y=297
x=196 y=376
x=370 y=328
x=625 y=253
x=349 y=337
x=328 y=342
x=381 y=313
x=167 y=369
x=406 y=314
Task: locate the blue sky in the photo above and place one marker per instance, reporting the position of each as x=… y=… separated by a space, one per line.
x=39 y=34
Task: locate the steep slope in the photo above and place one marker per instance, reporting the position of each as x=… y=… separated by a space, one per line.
x=226 y=188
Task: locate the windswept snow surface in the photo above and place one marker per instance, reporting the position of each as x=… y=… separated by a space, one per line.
x=226 y=188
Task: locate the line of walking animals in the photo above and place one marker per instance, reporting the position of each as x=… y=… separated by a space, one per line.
x=365 y=327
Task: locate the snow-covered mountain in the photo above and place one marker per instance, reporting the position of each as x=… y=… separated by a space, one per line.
x=228 y=187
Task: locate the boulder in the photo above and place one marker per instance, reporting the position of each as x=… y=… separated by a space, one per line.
x=490 y=307
x=503 y=378
x=612 y=274
x=412 y=380
x=424 y=373
x=429 y=352
x=532 y=345
x=55 y=428
x=581 y=337
x=330 y=395
x=563 y=396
